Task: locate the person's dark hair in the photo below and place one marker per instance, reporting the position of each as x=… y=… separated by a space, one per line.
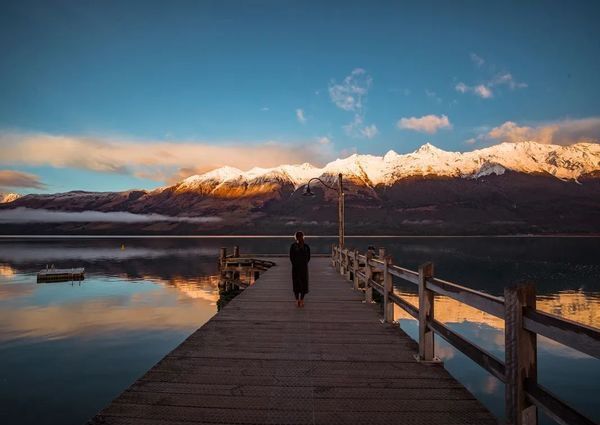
x=299 y=237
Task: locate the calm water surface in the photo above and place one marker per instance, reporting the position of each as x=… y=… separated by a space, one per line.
x=67 y=349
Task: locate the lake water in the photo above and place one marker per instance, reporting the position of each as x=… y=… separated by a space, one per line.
x=67 y=349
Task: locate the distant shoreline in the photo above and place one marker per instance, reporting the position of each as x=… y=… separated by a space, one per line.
x=290 y=236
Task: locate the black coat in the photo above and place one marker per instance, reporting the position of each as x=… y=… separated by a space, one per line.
x=300 y=256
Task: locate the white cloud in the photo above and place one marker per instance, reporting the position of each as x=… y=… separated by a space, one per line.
x=356 y=128
x=30 y=215
x=369 y=131
x=156 y=160
x=462 y=88
x=476 y=59
x=265 y=109
x=300 y=116
x=483 y=91
x=350 y=95
x=480 y=90
x=561 y=132
x=323 y=140
x=506 y=78
x=429 y=124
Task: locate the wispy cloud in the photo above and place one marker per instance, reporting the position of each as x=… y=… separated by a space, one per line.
x=265 y=109
x=12 y=178
x=560 y=132
x=433 y=95
x=429 y=124
x=160 y=161
x=476 y=59
x=356 y=128
x=350 y=95
x=482 y=90
x=506 y=78
x=300 y=116
x=485 y=89
x=30 y=215
x=369 y=131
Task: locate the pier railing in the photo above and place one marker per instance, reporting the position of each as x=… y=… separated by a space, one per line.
x=522 y=323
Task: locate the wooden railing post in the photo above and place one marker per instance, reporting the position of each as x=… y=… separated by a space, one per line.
x=332 y=255
x=344 y=261
x=355 y=269
x=426 y=349
x=222 y=257
x=236 y=251
x=369 y=276
x=335 y=257
x=388 y=306
x=520 y=355
x=348 y=265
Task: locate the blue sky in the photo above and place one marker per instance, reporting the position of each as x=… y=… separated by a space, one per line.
x=312 y=80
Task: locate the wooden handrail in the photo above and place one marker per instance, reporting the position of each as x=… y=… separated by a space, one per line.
x=477 y=299
x=523 y=322
x=553 y=406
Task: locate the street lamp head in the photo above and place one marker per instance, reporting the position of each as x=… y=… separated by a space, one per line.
x=307 y=191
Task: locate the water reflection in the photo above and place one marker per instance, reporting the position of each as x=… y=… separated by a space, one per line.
x=567 y=372
x=577 y=305
x=95 y=337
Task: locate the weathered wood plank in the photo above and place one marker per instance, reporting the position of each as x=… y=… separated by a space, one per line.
x=262 y=360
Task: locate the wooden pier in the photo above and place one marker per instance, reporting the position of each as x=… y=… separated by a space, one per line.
x=262 y=360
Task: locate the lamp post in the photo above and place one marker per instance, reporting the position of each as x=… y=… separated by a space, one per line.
x=341 y=212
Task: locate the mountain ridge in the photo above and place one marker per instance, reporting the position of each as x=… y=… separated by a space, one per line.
x=504 y=189
x=563 y=162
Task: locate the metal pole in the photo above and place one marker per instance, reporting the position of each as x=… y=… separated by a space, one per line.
x=341 y=211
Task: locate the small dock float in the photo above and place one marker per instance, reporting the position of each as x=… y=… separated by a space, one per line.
x=60 y=275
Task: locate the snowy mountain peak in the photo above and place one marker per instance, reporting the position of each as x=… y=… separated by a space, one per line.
x=428 y=148
x=563 y=162
x=8 y=197
x=390 y=155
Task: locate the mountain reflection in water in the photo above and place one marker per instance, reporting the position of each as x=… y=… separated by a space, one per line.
x=67 y=349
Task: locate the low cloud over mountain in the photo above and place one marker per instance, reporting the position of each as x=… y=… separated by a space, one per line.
x=508 y=188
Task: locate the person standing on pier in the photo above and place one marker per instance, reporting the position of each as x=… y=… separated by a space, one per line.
x=300 y=256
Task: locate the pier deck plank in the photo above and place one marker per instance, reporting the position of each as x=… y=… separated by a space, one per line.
x=262 y=360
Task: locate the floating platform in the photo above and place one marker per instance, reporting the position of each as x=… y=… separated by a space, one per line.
x=61 y=275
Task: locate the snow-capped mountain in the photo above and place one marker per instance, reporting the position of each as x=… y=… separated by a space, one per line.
x=508 y=188
x=8 y=197
x=563 y=162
